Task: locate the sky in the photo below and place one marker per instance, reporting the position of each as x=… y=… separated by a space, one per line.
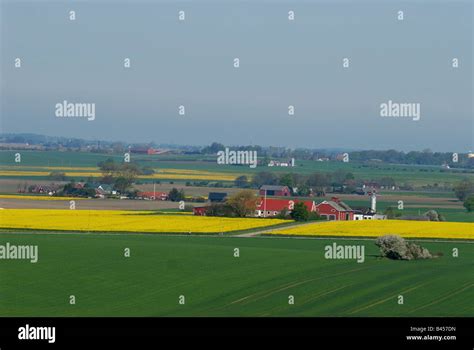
x=282 y=63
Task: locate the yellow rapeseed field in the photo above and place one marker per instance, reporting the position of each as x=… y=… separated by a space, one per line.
x=124 y=221
x=369 y=228
x=178 y=174
x=45 y=168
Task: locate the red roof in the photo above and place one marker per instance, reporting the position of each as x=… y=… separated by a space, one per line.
x=280 y=204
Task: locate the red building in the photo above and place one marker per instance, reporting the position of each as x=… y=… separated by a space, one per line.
x=199 y=211
x=335 y=209
x=272 y=207
x=280 y=191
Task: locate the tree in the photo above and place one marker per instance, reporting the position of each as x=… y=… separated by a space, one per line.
x=433 y=215
x=107 y=167
x=464 y=189
x=264 y=178
x=122 y=184
x=340 y=176
x=300 y=212
x=176 y=195
x=213 y=148
x=287 y=180
x=469 y=203
x=128 y=170
x=304 y=191
x=387 y=181
x=390 y=212
x=241 y=181
x=219 y=209
x=318 y=182
x=283 y=214
x=243 y=203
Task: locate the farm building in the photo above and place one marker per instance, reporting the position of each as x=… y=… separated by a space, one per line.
x=161 y=196
x=41 y=189
x=104 y=189
x=290 y=163
x=270 y=190
x=200 y=211
x=147 y=150
x=368 y=214
x=272 y=207
x=217 y=197
x=335 y=209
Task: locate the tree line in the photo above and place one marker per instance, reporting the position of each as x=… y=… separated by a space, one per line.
x=315 y=183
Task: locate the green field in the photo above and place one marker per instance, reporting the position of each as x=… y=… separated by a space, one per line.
x=415 y=175
x=215 y=283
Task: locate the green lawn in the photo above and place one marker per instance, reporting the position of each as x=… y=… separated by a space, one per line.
x=215 y=283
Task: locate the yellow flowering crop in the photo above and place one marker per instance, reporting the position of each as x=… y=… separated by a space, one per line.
x=124 y=221
x=375 y=228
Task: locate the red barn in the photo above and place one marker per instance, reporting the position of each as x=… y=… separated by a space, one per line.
x=272 y=207
x=281 y=191
x=199 y=211
x=335 y=209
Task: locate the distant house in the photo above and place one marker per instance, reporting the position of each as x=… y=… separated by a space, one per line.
x=50 y=189
x=217 y=197
x=268 y=207
x=200 y=211
x=335 y=209
x=147 y=150
x=79 y=185
x=104 y=189
x=270 y=190
x=159 y=196
x=368 y=214
x=367 y=185
x=290 y=163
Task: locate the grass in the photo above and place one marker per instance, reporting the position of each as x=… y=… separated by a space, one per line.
x=215 y=283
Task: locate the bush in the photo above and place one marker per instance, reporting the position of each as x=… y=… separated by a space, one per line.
x=396 y=248
x=433 y=215
x=220 y=209
x=176 y=195
x=284 y=214
x=469 y=203
x=300 y=212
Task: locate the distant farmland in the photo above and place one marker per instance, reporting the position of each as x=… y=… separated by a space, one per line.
x=416 y=175
x=215 y=283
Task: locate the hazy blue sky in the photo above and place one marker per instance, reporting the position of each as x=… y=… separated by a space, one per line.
x=282 y=63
